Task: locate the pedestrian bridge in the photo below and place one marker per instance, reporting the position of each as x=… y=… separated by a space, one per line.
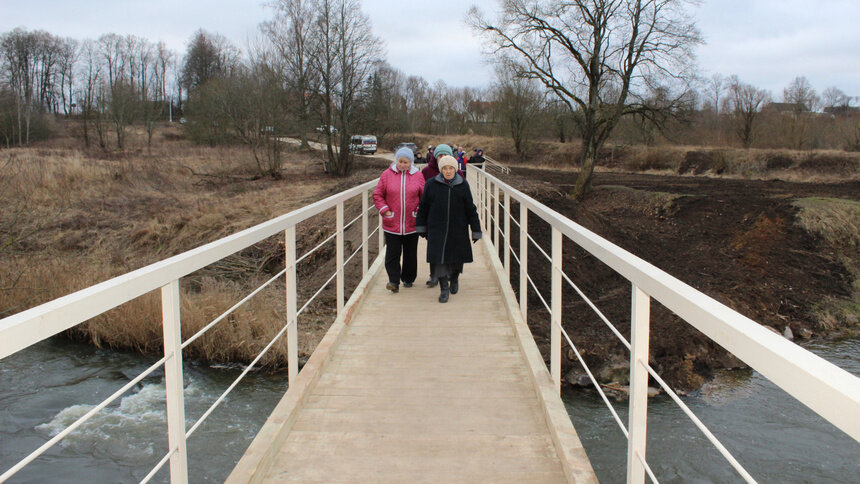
x=403 y=388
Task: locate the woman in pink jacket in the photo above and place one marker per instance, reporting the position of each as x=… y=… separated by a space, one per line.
x=396 y=197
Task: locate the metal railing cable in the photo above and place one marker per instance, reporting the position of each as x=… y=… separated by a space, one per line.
x=237 y=380
x=647 y=467
x=232 y=308
x=77 y=423
x=308 y=253
x=701 y=426
x=160 y=464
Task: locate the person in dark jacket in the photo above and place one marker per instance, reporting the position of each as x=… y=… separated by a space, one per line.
x=430 y=171
x=445 y=213
x=477 y=158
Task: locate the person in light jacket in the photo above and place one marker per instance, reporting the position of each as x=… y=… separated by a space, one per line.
x=445 y=214
x=396 y=197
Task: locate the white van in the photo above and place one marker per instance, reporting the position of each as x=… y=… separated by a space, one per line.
x=363 y=144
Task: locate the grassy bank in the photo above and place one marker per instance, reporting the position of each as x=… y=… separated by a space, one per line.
x=74 y=217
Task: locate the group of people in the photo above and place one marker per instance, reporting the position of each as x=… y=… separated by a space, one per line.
x=435 y=203
x=476 y=159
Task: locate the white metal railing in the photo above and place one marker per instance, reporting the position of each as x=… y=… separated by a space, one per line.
x=493 y=165
x=26 y=328
x=825 y=388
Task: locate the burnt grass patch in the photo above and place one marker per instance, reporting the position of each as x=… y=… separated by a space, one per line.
x=734 y=240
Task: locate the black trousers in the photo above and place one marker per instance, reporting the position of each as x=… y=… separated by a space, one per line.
x=407 y=246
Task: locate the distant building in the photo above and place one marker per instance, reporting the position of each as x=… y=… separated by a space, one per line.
x=784 y=108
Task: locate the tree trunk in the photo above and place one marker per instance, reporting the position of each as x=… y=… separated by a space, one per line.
x=583 y=181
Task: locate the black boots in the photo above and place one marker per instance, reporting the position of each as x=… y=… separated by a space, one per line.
x=432 y=281
x=443 y=284
x=455 y=284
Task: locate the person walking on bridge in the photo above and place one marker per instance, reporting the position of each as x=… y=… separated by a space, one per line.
x=445 y=213
x=396 y=196
x=430 y=171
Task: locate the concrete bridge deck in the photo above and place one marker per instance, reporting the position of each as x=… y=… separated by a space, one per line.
x=403 y=388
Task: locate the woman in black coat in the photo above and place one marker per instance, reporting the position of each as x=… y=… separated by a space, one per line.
x=445 y=213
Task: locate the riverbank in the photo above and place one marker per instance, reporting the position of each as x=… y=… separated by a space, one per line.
x=785 y=254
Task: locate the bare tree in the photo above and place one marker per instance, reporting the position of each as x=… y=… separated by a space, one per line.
x=596 y=56
x=290 y=34
x=518 y=101
x=746 y=102
x=803 y=100
x=344 y=57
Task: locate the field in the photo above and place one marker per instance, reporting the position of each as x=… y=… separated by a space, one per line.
x=774 y=235
x=74 y=217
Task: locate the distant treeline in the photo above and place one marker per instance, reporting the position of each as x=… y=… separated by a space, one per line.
x=300 y=77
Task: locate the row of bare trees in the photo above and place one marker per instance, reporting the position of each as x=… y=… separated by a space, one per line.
x=112 y=82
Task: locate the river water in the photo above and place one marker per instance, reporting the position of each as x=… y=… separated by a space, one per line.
x=46 y=387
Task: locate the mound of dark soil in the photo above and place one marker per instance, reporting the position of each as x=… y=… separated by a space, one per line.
x=734 y=240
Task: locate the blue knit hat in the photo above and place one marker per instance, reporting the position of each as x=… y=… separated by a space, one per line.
x=443 y=150
x=404 y=153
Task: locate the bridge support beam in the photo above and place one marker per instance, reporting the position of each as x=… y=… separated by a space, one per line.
x=507 y=235
x=173 y=382
x=292 y=305
x=638 y=422
x=524 y=261
x=340 y=278
x=555 y=305
x=364 y=234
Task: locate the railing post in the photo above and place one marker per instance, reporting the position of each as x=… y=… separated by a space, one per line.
x=364 y=232
x=496 y=217
x=379 y=234
x=292 y=304
x=524 y=260
x=339 y=258
x=555 y=338
x=481 y=202
x=507 y=236
x=638 y=423
x=173 y=381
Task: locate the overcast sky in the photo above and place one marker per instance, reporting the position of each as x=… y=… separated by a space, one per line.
x=767 y=43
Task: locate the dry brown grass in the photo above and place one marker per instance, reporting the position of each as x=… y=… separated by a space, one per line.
x=837 y=222
x=791 y=165
x=74 y=217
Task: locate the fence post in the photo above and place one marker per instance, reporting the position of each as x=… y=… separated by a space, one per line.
x=638 y=424
x=292 y=304
x=555 y=338
x=496 y=217
x=339 y=257
x=524 y=260
x=507 y=236
x=364 y=232
x=173 y=381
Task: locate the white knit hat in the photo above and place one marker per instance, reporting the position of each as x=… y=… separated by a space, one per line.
x=447 y=161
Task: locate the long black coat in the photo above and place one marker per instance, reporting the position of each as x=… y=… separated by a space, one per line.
x=444 y=214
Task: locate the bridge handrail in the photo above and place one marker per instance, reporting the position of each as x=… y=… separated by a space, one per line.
x=827 y=389
x=495 y=165
x=84 y=304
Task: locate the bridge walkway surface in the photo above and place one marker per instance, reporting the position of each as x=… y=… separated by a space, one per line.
x=408 y=389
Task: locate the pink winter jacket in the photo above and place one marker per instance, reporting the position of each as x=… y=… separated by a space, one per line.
x=400 y=193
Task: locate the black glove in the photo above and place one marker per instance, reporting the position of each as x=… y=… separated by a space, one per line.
x=476 y=236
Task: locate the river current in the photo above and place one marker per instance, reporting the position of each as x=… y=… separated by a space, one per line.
x=48 y=386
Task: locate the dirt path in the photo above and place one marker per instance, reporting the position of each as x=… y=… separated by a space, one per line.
x=735 y=240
